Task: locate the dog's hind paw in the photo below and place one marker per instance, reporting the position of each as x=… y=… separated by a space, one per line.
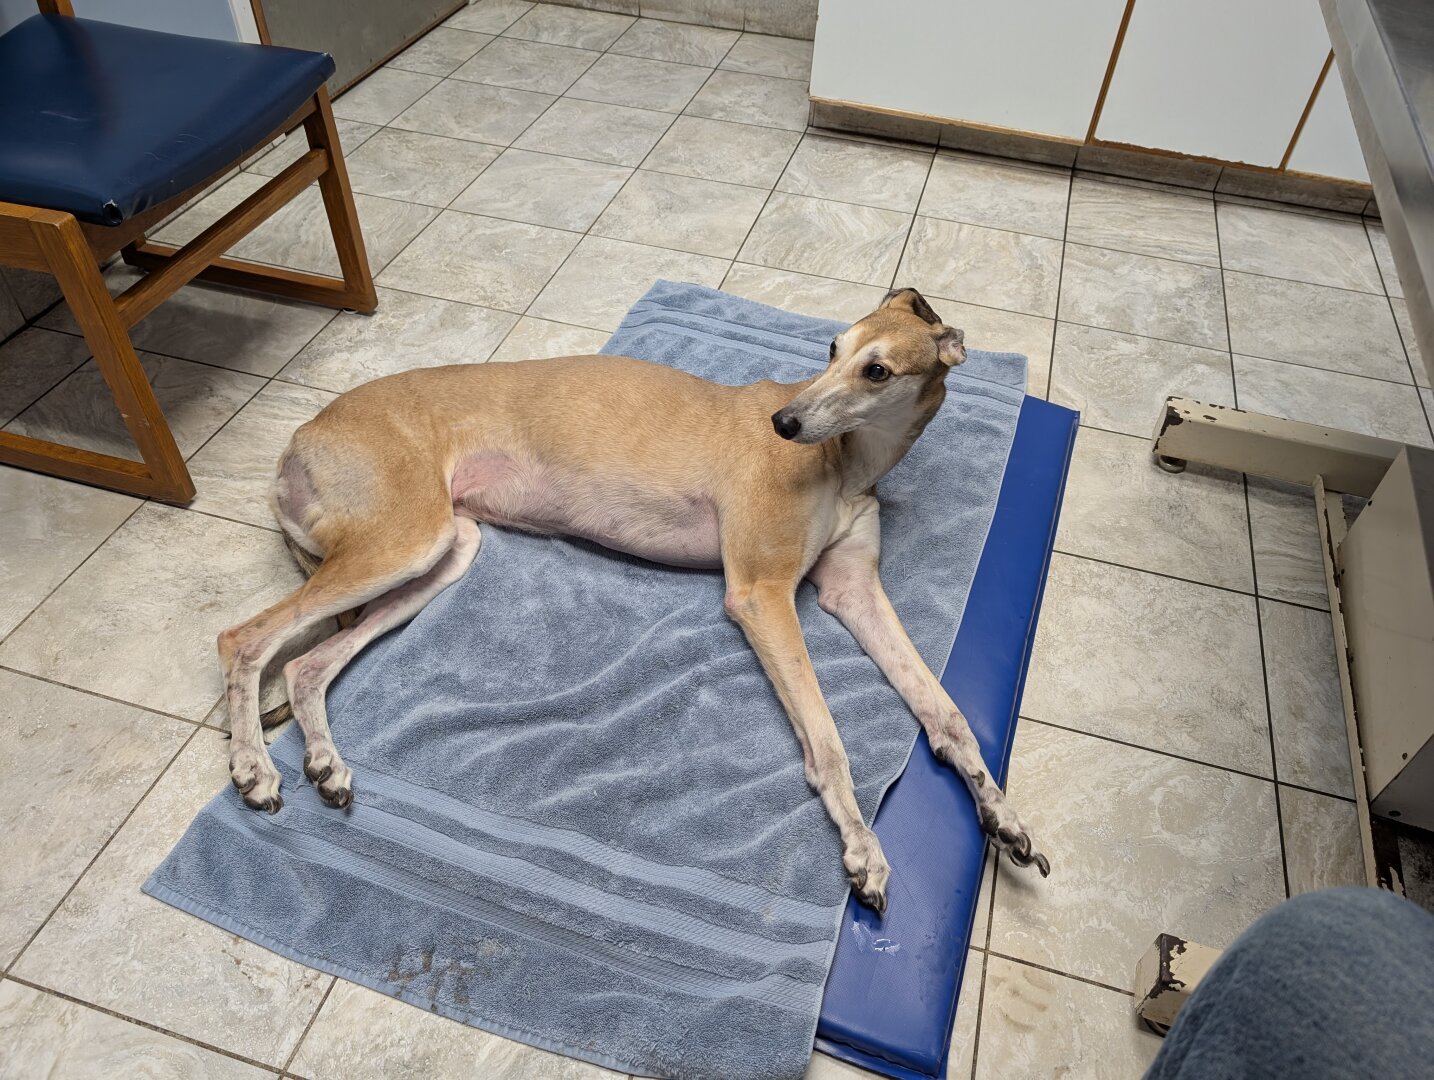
x=333 y=779
x=868 y=871
x=257 y=780
x=1009 y=834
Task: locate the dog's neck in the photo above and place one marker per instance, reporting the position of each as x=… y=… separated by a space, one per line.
x=872 y=450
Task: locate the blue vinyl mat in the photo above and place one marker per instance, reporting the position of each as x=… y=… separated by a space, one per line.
x=891 y=997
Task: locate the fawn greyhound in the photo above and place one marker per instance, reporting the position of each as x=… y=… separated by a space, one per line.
x=382 y=493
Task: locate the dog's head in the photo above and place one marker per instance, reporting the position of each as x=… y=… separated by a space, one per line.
x=888 y=370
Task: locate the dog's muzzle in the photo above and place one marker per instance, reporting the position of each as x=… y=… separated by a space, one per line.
x=785 y=424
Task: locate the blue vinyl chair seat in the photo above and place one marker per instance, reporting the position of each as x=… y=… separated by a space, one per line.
x=107 y=121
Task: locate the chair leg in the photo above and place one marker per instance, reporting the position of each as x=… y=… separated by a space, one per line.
x=165 y=474
x=339 y=204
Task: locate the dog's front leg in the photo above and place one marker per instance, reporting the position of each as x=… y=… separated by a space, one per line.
x=766 y=611
x=849 y=587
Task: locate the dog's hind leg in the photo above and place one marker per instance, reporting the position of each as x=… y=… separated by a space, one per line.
x=309 y=676
x=849 y=587
x=350 y=575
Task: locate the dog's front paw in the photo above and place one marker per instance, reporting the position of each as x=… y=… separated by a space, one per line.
x=330 y=775
x=868 y=871
x=257 y=780
x=1009 y=834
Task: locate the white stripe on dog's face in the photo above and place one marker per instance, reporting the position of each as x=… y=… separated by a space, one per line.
x=880 y=369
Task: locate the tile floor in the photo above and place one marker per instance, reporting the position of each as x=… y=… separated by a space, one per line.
x=523 y=174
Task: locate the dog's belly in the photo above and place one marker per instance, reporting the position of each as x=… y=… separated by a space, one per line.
x=665 y=527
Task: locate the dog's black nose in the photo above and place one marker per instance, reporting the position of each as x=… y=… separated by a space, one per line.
x=786 y=425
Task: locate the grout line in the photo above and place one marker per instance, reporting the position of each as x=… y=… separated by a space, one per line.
x=1058 y=971
x=10 y=968
x=298 y=1043
x=1060 y=282
x=910 y=224
x=103 y=697
x=211 y=1047
x=1259 y=615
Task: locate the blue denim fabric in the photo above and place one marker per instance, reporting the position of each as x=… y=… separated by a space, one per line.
x=1331 y=984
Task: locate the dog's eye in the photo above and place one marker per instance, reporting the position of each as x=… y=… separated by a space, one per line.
x=876 y=373
x=831 y=354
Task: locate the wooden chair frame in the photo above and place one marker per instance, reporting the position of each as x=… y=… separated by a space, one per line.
x=58 y=243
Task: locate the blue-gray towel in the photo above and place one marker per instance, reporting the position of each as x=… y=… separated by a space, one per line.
x=580 y=818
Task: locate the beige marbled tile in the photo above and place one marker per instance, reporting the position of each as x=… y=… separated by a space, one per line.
x=762 y=54
x=1384 y=259
x=44 y=1037
x=33 y=362
x=227 y=328
x=1121 y=508
x=1370 y=406
x=828 y=239
x=719 y=150
x=1322 y=846
x=640 y=83
x=527 y=65
x=1143 y=221
x=383 y=95
x=196 y=399
x=537 y=339
x=570 y=26
x=440 y=51
x=1285 y=536
x=110 y=945
x=1140 y=844
x=890 y=177
x=413 y=166
x=1005 y=331
x=997 y=196
x=363 y=1035
x=784 y=18
x=298 y=235
x=139 y=619
x=752 y=99
x=489 y=16
x=1153 y=661
x=352 y=134
x=826 y=298
x=682 y=213
x=480 y=260
x=1038 y=1024
x=234 y=472
x=597 y=131
x=75 y=765
x=680 y=43
x=475 y=111
x=408 y=331
x=1411 y=344
x=991 y=267
x=1136 y=294
x=48 y=527
x=204 y=211
x=543 y=189
x=1119 y=382
x=1306 y=708
x=1334 y=329
x=1288 y=244
x=603 y=278
x=32 y=290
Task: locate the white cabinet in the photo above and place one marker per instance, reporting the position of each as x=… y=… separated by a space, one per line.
x=1328 y=145
x=1224 y=79
x=1027 y=65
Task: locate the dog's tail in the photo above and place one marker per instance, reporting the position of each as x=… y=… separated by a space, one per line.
x=309 y=563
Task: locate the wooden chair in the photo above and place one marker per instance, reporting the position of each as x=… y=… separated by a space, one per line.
x=105 y=131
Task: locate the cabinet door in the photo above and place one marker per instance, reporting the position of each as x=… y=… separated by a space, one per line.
x=1328 y=145
x=1225 y=79
x=1026 y=65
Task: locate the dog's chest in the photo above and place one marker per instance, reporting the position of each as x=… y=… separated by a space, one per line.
x=651 y=522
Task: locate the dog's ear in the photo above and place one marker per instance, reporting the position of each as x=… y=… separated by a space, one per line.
x=912 y=301
x=950 y=345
